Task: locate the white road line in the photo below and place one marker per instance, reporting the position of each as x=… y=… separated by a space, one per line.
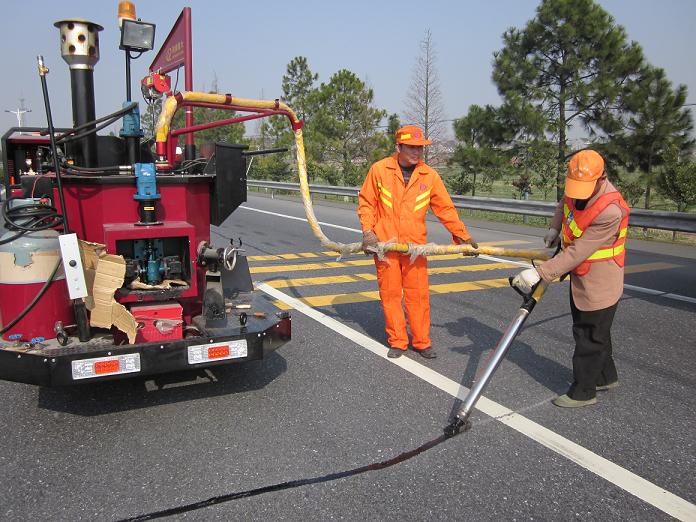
x=640 y=289
x=654 y=495
x=331 y=225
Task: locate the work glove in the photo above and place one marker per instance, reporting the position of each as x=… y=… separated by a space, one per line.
x=369 y=241
x=551 y=238
x=470 y=241
x=526 y=279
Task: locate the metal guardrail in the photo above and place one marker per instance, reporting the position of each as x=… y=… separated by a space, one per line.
x=675 y=221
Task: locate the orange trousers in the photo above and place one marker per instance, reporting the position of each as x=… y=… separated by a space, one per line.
x=400 y=280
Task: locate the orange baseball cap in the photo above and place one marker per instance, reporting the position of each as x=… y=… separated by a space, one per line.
x=411 y=135
x=584 y=169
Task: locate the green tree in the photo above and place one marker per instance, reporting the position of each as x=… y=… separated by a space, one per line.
x=298 y=85
x=230 y=133
x=677 y=180
x=479 y=157
x=655 y=122
x=384 y=142
x=572 y=62
x=540 y=159
x=343 y=126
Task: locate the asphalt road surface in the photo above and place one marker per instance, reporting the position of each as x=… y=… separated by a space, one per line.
x=331 y=401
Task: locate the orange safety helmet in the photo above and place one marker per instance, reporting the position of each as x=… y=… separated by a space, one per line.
x=411 y=135
x=584 y=169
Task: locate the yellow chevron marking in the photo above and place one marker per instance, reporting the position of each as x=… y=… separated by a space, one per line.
x=288 y=256
x=362 y=297
x=356 y=278
x=649 y=267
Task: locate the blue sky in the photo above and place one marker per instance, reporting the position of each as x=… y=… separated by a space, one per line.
x=247 y=45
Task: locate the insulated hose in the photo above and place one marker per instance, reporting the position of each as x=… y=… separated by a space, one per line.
x=162 y=134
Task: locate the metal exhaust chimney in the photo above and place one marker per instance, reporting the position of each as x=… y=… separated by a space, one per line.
x=79 y=46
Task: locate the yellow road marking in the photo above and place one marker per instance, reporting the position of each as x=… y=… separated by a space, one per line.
x=447 y=288
x=351 y=262
x=355 y=278
x=362 y=297
x=648 y=267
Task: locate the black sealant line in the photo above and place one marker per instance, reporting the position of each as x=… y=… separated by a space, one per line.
x=290 y=484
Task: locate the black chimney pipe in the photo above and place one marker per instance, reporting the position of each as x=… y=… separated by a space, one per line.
x=82 y=84
x=79 y=45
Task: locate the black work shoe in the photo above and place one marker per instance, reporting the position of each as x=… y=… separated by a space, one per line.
x=428 y=353
x=395 y=352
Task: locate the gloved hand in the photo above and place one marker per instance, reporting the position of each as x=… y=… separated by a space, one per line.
x=460 y=241
x=370 y=240
x=470 y=241
x=526 y=279
x=551 y=238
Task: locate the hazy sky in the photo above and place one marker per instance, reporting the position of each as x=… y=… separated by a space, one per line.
x=247 y=45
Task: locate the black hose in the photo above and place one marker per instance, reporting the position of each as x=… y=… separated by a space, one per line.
x=34 y=217
x=113 y=116
x=38 y=296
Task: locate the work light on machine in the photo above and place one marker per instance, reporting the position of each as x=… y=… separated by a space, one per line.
x=137 y=36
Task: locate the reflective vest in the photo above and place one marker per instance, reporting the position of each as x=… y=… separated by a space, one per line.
x=575 y=222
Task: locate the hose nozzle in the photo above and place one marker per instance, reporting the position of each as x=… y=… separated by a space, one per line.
x=456 y=426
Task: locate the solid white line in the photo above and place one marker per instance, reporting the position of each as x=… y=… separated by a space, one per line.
x=635 y=485
x=659 y=293
x=301 y=219
x=648 y=291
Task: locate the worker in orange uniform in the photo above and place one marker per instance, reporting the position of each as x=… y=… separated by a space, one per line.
x=592 y=221
x=393 y=203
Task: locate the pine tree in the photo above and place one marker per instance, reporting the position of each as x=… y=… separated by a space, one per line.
x=572 y=62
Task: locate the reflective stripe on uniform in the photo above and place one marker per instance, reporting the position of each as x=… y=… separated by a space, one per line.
x=606 y=253
x=386 y=201
x=383 y=190
x=421 y=205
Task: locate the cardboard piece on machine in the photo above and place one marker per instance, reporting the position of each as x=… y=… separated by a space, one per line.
x=104 y=274
x=166 y=284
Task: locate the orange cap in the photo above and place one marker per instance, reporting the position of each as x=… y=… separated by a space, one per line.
x=584 y=169
x=411 y=135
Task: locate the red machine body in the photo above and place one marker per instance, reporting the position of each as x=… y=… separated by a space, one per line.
x=160 y=272
x=41 y=321
x=158 y=322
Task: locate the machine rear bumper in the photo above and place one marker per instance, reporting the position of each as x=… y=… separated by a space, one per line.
x=53 y=366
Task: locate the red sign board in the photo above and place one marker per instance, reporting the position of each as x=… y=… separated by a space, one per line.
x=173 y=53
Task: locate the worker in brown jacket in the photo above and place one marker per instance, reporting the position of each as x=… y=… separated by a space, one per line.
x=592 y=221
x=393 y=203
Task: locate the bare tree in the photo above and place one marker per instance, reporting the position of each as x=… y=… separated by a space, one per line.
x=424 y=102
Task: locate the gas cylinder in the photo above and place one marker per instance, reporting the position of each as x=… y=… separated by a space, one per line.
x=26 y=263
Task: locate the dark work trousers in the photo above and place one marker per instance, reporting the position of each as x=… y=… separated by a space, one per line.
x=593 y=364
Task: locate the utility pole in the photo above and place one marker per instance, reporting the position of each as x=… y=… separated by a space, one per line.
x=20 y=112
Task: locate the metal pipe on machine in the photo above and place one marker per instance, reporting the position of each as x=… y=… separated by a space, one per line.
x=79 y=46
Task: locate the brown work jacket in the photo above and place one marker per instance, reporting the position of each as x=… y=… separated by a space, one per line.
x=602 y=286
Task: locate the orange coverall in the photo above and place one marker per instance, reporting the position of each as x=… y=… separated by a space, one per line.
x=397 y=213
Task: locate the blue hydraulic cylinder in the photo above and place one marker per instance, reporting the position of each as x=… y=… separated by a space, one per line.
x=131 y=123
x=145 y=182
